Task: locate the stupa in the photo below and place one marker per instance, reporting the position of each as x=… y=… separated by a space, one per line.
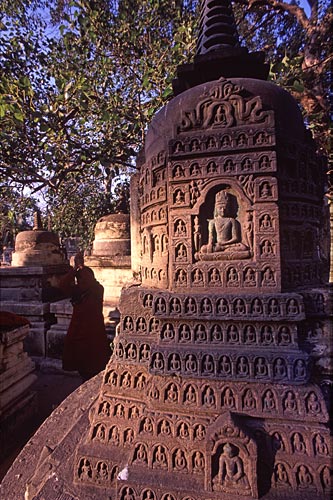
x=25 y=285
x=212 y=392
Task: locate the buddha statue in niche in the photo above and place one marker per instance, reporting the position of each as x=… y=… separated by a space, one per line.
x=231 y=476
x=224 y=232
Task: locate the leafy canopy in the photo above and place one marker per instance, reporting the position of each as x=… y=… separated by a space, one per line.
x=80 y=80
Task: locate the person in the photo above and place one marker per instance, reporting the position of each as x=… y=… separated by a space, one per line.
x=86 y=347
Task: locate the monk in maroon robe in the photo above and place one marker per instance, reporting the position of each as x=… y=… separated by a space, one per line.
x=86 y=347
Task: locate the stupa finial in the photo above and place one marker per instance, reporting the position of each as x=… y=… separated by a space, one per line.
x=219 y=53
x=217 y=27
x=38 y=226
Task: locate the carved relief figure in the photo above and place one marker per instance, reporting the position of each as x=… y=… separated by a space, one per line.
x=198 y=462
x=181 y=253
x=160 y=459
x=197 y=277
x=304 y=477
x=180 y=460
x=180 y=228
x=290 y=403
x=249 y=401
x=312 y=404
x=265 y=190
x=85 y=471
x=175 y=362
x=196 y=234
x=320 y=446
x=195 y=169
x=298 y=444
x=231 y=475
x=194 y=193
x=141 y=456
x=209 y=397
x=168 y=332
x=175 y=305
x=281 y=475
x=224 y=231
x=249 y=334
x=214 y=276
x=190 y=396
x=266 y=223
x=181 y=277
x=268 y=277
x=248 y=231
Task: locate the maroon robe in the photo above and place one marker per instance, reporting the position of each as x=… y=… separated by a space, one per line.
x=86 y=347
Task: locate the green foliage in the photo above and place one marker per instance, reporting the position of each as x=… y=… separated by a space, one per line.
x=299 y=49
x=80 y=81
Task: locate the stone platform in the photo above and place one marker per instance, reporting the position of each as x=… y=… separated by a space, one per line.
x=64 y=425
x=55 y=443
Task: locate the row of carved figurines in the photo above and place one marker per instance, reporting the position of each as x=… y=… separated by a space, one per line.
x=265 y=192
x=311 y=445
x=236 y=165
x=207 y=396
x=242 y=140
x=200 y=333
x=263 y=277
x=231 y=472
x=224 y=366
x=236 y=306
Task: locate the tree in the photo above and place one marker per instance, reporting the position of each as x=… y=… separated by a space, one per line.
x=81 y=80
x=75 y=103
x=80 y=100
x=299 y=49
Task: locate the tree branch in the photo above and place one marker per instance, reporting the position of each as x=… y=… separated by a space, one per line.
x=292 y=9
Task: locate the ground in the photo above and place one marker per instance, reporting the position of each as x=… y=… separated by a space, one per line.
x=52 y=387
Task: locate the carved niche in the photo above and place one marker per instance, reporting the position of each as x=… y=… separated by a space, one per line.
x=222 y=193
x=233 y=459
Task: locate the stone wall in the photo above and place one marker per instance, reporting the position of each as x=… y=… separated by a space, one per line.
x=17 y=401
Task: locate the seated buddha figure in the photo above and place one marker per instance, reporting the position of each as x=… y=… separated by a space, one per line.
x=231 y=476
x=224 y=233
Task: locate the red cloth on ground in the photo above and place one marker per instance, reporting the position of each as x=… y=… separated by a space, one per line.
x=86 y=347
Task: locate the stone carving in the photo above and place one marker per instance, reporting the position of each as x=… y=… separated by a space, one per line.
x=224 y=232
x=224 y=107
x=231 y=476
x=217 y=332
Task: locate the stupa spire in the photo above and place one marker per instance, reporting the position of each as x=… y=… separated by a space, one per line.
x=218 y=50
x=38 y=226
x=217 y=27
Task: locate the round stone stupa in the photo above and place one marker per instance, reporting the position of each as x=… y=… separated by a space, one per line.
x=112 y=236
x=37 y=247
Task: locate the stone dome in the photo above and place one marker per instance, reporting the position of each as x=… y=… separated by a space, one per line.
x=288 y=117
x=112 y=235
x=37 y=248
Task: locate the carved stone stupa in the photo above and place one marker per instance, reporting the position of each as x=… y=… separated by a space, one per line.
x=211 y=393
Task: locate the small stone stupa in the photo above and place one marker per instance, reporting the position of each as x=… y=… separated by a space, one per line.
x=110 y=257
x=37 y=247
x=212 y=392
x=25 y=286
